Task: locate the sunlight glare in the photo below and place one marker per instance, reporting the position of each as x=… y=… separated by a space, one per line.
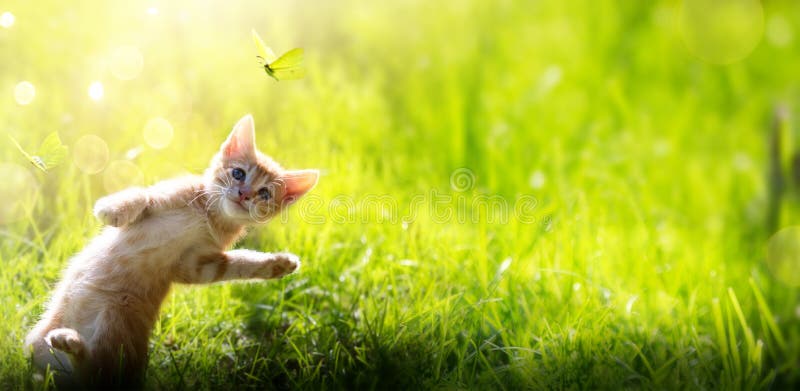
x=503 y=267
x=7 y=19
x=629 y=304
x=96 y=91
x=90 y=154
x=133 y=153
x=24 y=93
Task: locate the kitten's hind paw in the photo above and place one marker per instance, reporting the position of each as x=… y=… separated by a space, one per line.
x=65 y=340
x=120 y=209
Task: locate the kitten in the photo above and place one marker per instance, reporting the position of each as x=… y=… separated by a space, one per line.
x=97 y=324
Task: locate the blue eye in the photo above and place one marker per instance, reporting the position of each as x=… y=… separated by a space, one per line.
x=264 y=193
x=238 y=174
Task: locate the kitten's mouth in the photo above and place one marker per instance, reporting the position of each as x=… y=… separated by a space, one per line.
x=234 y=208
x=241 y=205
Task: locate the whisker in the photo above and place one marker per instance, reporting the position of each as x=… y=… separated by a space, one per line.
x=212 y=201
x=206 y=192
x=200 y=194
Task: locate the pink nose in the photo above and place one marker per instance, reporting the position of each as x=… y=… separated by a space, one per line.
x=245 y=193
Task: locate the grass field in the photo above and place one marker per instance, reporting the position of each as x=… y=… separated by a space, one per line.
x=515 y=194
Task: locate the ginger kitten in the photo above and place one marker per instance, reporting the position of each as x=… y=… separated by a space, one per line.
x=96 y=327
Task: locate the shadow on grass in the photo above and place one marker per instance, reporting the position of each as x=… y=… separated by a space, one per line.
x=319 y=342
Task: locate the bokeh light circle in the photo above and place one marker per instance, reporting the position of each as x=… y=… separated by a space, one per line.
x=7 y=20
x=779 y=32
x=126 y=62
x=158 y=133
x=121 y=174
x=96 y=91
x=537 y=180
x=783 y=256
x=90 y=154
x=24 y=92
x=17 y=191
x=722 y=31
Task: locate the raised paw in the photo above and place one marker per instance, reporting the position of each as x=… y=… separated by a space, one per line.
x=66 y=340
x=118 y=210
x=283 y=264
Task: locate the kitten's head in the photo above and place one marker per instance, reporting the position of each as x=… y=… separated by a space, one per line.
x=251 y=187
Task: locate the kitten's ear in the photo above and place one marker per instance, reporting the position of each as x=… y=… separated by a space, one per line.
x=297 y=183
x=241 y=143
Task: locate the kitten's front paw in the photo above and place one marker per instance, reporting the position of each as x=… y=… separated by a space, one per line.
x=283 y=264
x=65 y=340
x=116 y=212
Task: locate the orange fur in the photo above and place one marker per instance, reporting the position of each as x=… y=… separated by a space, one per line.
x=97 y=323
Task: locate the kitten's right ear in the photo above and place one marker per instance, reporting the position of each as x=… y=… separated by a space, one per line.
x=297 y=183
x=241 y=143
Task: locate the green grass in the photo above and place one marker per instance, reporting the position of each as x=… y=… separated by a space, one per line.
x=642 y=264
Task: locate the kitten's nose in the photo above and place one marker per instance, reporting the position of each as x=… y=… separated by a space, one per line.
x=245 y=193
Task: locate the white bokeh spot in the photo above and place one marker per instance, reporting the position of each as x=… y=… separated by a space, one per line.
x=96 y=91
x=90 y=154
x=7 y=20
x=158 y=133
x=24 y=93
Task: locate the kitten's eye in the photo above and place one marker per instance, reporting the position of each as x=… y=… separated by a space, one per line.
x=264 y=193
x=238 y=174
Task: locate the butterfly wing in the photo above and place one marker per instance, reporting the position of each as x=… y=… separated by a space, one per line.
x=52 y=152
x=292 y=73
x=289 y=59
x=263 y=50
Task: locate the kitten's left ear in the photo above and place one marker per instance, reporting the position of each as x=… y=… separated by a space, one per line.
x=241 y=143
x=297 y=183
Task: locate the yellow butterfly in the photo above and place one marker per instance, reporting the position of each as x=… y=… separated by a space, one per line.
x=51 y=153
x=285 y=67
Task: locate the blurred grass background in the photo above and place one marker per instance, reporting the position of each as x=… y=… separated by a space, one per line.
x=643 y=141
